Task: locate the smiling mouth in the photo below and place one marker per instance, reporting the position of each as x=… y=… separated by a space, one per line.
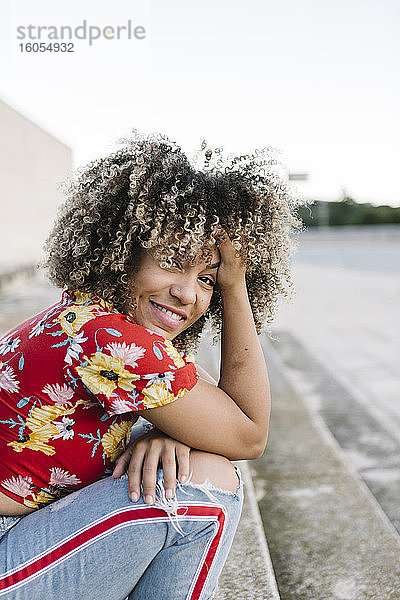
x=168 y=312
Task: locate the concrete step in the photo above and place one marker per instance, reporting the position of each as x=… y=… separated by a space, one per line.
x=248 y=572
x=328 y=537
x=369 y=438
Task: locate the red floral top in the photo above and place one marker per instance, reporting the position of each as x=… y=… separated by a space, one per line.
x=71 y=380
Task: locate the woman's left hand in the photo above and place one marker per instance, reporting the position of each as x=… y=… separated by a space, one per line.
x=232 y=270
x=141 y=459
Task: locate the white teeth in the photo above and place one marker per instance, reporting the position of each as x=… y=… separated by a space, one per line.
x=168 y=312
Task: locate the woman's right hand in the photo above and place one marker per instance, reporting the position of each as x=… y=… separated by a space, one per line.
x=142 y=458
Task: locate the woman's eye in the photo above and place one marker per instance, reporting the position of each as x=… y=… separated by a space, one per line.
x=208 y=280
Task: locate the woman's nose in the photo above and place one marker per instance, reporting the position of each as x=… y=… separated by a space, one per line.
x=184 y=291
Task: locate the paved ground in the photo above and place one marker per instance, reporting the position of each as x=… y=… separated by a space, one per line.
x=346 y=312
x=339 y=342
x=328 y=537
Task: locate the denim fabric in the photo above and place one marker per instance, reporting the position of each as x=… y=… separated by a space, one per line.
x=6 y=523
x=96 y=543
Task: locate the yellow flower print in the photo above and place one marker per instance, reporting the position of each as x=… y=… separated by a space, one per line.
x=44 y=415
x=42 y=428
x=103 y=374
x=73 y=318
x=113 y=440
x=39 y=500
x=82 y=298
x=36 y=440
x=157 y=395
x=174 y=354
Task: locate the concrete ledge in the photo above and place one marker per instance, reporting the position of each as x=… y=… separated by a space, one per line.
x=328 y=537
x=248 y=572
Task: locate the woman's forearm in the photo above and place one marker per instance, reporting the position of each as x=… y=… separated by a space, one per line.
x=243 y=374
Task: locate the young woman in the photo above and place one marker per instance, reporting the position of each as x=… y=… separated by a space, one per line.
x=148 y=250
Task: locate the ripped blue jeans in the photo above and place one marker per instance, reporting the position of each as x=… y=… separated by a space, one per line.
x=96 y=543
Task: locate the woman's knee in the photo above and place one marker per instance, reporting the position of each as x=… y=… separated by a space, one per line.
x=217 y=469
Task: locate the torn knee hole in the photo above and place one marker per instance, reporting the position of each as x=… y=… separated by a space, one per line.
x=207 y=487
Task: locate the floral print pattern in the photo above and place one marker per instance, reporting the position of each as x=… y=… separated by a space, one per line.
x=72 y=380
x=62 y=478
x=112 y=440
x=18 y=485
x=59 y=394
x=41 y=427
x=174 y=354
x=103 y=374
x=72 y=319
x=129 y=354
x=166 y=378
x=8 y=380
x=9 y=344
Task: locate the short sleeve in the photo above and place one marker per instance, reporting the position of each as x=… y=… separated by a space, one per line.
x=127 y=367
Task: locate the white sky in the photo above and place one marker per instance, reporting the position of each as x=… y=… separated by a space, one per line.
x=319 y=79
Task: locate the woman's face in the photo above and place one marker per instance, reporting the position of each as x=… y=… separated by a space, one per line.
x=169 y=300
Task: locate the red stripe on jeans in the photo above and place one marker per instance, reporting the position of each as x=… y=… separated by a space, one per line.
x=219 y=513
x=99 y=528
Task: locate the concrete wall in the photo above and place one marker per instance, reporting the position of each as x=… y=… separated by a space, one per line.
x=32 y=162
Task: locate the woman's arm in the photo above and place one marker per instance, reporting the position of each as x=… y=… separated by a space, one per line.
x=231 y=419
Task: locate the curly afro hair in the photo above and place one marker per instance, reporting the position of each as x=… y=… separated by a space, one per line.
x=148 y=195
